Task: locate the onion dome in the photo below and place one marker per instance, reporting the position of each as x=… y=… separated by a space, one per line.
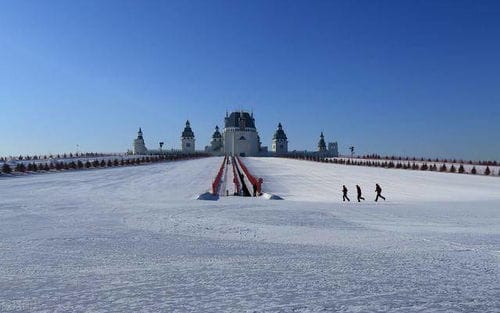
x=240 y=120
x=280 y=133
x=188 y=132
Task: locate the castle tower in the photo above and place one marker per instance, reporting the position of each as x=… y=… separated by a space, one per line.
x=187 y=139
x=333 y=149
x=216 y=144
x=321 y=143
x=240 y=136
x=139 y=145
x=280 y=142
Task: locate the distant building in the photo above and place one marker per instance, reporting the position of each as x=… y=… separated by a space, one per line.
x=139 y=145
x=333 y=149
x=187 y=139
x=321 y=143
x=216 y=145
x=240 y=136
x=280 y=141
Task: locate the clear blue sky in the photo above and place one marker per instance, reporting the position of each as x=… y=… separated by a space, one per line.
x=389 y=77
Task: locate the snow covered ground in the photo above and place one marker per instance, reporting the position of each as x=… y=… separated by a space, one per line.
x=133 y=239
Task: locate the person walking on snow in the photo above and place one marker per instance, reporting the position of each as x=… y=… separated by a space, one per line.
x=378 y=190
x=344 y=192
x=359 y=194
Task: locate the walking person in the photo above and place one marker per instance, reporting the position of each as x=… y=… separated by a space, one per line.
x=378 y=190
x=344 y=192
x=360 y=197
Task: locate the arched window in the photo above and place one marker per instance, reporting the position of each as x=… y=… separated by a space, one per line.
x=243 y=138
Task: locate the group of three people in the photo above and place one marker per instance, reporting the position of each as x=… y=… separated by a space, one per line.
x=378 y=190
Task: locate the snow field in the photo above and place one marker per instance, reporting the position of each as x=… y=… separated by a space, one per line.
x=134 y=239
x=310 y=181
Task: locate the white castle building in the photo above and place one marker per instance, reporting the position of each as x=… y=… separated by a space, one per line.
x=321 y=143
x=139 y=145
x=216 y=145
x=187 y=139
x=239 y=137
x=280 y=141
x=333 y=147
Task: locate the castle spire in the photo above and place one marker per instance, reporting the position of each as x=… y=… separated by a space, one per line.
x=321 y=143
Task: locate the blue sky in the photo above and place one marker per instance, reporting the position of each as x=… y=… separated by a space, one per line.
x=389 y=77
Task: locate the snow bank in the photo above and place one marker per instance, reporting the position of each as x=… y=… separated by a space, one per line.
x=208 y=196
x=269 y=196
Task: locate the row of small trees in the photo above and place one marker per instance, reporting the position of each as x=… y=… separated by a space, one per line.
x=399 y=158
x=56 y=156
x=21 y=167
x=399 y=165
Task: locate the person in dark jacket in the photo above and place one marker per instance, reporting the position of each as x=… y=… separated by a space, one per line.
x=378 y=190
x=344 y=192
x=360 y=197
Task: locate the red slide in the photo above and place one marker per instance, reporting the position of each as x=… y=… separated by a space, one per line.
x=253 y=180
x=216 y=183
x=236 y=181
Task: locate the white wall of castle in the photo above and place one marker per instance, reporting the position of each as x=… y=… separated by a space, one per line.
x=279 y=146
x=333 y=149
x=216 y=144
x=234 y=146
x=188 y=145
x=139 y=147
